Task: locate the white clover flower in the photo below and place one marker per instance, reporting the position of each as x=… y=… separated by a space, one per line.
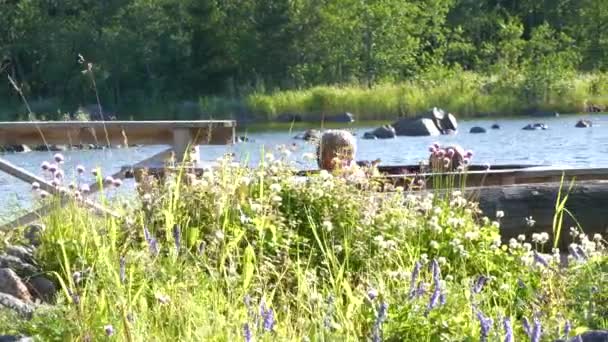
x=500 y=214
x=424 y=258
x=219 y=235
x=471 y=236
x=449 y=278
x=399 y=189
x=269 y=156
x=597 y=237
x=275 y=187
x=496 y=224
x=457 y=193
x=513 y=244
x=434 y=244
x=521 y=237
x=437 y=211
x=504 y=287
x=442 y=260
x=325 y=175
x=485 y=220
x=527 y=246
x=276 y=199
x=327 y=225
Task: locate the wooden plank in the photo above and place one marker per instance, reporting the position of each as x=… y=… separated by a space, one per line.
x=116 y=132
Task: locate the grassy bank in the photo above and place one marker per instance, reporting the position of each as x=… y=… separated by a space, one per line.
x=255 y=254
x=466 y=94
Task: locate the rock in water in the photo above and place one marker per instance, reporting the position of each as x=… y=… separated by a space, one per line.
x=369 y=136
x=584 y=123
x=535 y=127
x=334 y=144
x=495 y=126
x=416 y=127
x=384 y=132
x=309 y=135
x=17 y=305
x=13 y=338
x=11 y=284
x=42 y=288
x=477 y=129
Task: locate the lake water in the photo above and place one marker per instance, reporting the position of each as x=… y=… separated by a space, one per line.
x=561 y=145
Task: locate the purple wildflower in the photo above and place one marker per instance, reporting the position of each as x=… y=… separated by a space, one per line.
x=328 y=314
x=201 y=248
x=380 y=318
x=539 y=259
x=436 y=271
x=479 y=283
x=433 y=301
x=527 y=329
x=268 y=319
x=581 y=252
x=154 y=250
x=567 y=328
x=421 y=290
x=123 y=271
x=574 y=253
x=506 y=323
x=485 y=324
x=372 y=294
x=521 y=284
x=109 y=329
x=414 y=278
x=146 y=234
x=537 y=332
x=177 y=236
x=442 y=299
x=247 y=332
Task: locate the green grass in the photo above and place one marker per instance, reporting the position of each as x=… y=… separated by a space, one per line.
x=465 y=94
x=232 y=245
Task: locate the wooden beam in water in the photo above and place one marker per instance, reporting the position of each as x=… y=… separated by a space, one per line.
x=203 y=132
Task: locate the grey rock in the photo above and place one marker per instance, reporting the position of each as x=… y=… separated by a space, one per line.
x=33 y=233
x=19 y=266
x=495 y=126
x=23 y=253
x=535 y=127
x=13 y=338
x=384 y=132
x=345 y=117
x=15 y=148
x=52 y=148
x=309 y=135
x=42 y=288
x=369 y=136
x=584 y=123
x=477 y=129
x=16 y=305
x=11 y=284
x=416 y=127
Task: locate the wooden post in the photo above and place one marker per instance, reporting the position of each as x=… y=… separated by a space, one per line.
x=183 y=146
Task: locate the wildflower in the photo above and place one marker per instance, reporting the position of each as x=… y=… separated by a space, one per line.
x=53 y=167
x=201 y=248
x=539 y=259
x=44 y=194
x=109 y=180
x=537 y=331
x=500 y=214
x=153 y=245
x=471 y=236
x=597 y=237
x=449 y=277
x=506 y=323
x=163 y=299
x=219 y=235
x=80 y=169
x=380 y=318
x=58 y=158
x=77 y=277
x=414 y=279
x=450 y=152
x=45 y=165
x=567 y=329
x=55 y=182
x=479 y=283
x=123 y=271
x=442 y=260
x=434 y=299
x=268 y=319
x=372 y=294
x=117 y=182
x=84 y=188
x=527 y=246
x=530 y=221
x=521 y=237
x=328 y=226
x=277 y=199
x=540 y=237
x=527 y=329
x=434 y=244
x=485 y=324
x=468 y=154
x=58 y=174
x=247 y=332
x=432 y=149
x=275 y=187
x=109 y=329
x=574 y=252
x=177 y=236
x=35 y=186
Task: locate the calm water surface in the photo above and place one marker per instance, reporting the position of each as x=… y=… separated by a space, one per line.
x=561 y=145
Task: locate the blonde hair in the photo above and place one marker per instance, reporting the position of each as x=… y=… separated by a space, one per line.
x=335 y=144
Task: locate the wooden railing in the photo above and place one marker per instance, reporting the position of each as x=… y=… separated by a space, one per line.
x=184 y=137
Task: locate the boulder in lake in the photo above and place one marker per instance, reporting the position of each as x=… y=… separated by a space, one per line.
x=584 y=123
x=535 y=127
x=477 y=129
x=242 y=138
x=15 y=148
x=52 y=148
x=495 y=126
x=384 y=132
x=345 y=117
x=369 y=136
x=15 y=338
x=309 y=135
x=416 y=127
x=336 y=144
x=11 y=284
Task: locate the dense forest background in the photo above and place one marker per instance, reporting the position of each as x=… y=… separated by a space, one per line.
x=165 y=51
